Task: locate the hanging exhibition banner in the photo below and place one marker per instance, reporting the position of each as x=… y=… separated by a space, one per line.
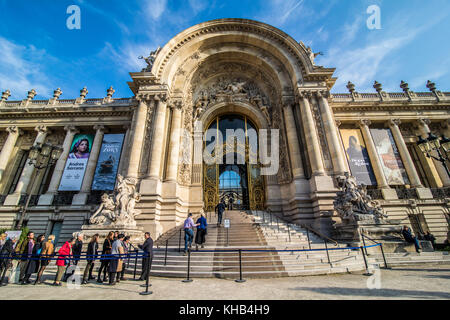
x=358 y=157
x=108 y=162
x=391 y=161
x=76 y=163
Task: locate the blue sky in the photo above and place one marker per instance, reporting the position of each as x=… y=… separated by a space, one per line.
x=38 y=51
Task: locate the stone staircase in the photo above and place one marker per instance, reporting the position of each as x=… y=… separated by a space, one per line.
x=267 y=251
x=270 y=249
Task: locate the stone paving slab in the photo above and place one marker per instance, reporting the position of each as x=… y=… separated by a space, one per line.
x=431 y=282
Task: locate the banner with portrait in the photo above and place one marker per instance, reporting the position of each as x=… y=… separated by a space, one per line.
x=108 y=162
x=358 y=157
x=76 y=163
x=393 y=168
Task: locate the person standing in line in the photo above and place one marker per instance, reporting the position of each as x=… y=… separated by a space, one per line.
x=115 y=266
x=77 y=248
x=188 y=232
x=201 y=231
x=91 y=255
x=116 y=235
x=220 y=208
x=126 y=248
x=25 y=249
x=63 y=259
x=107 y=246
x=147 y=247
x=33 y=264
x=48 y=250
x=2 y=240
x=7 y=253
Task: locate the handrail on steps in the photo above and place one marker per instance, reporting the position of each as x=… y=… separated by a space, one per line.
x=310 y=229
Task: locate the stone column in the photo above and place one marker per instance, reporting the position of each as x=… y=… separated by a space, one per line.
x=337 y=153
x=47 y=198
x=8 y=147
x=174 y=146
x=81 y=198
x=137 y=139
x=312 y=140
x=423 y=193
x=157 y=141
x=388 y=193
x=442 y=178
x=293 y=143
x=28 y=170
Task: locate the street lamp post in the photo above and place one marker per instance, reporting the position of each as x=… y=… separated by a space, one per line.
x=39 y=153
x=441 y=146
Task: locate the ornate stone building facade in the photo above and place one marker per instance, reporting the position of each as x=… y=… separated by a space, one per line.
x=222 y=74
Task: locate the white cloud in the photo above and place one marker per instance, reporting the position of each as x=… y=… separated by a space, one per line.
x=155 y=8
x=21 y=69
x=198 y=5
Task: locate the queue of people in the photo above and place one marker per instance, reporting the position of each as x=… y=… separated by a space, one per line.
x=32 y=256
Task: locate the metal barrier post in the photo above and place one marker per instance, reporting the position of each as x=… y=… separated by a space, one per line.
x=264 y=217
x=384 y=257
x=135 y=263
x=365 y=263
x=149 y=265
x=240 y=280
x=179 y=242
x=364 y=244
x=227 y=237
x=326 y=249
x=189 y=267
x=270 y=219
x=165 y=255
x=278 y=224
x=309 y=242
x=289 y=232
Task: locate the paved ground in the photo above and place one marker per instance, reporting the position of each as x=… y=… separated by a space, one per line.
x=433 y=282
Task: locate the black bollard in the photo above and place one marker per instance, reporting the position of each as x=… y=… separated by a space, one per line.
x=289 y=232
x=135 y=263
x=188 y=279
x=165 y=255
x=326 y=249
x=149 y=265
x=309 y=241
x=365 y=263
x=240 y=280
x=384 y=257
x=179 y=242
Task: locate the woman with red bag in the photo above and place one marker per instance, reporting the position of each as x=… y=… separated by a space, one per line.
x=64 y=256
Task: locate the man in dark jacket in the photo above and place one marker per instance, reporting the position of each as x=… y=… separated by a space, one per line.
x=91 y=255
x=107 y=246
x=77 y=248
x=147 y=247
x=220 y=208
x=5 y=263
x=406 y=232
x=431 y=238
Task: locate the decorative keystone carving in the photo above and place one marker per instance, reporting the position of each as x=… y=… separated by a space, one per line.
x=42 y=129
x=395 y=122
x=72 y=129
x=14 y=130
x=364 y=122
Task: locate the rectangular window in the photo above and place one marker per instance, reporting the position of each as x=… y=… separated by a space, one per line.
x=22 y=162
x=418 y=166
x=56 y=230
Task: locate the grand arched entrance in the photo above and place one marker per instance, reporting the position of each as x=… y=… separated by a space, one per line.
x=233 y=177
